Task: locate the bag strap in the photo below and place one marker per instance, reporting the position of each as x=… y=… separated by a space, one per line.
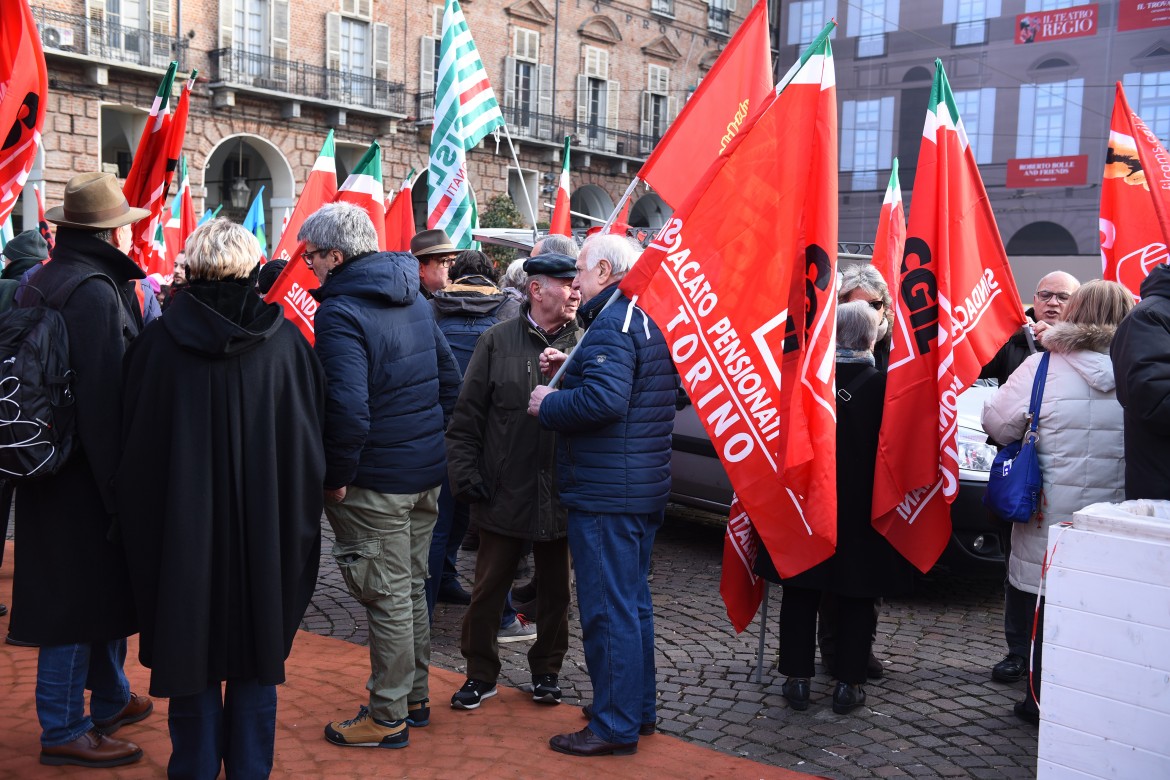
x=846 y=393
x=1038 y=392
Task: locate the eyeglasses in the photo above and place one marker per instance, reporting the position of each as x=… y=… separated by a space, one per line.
x=445 y=262
x=1047 y=295
x=877 y=305
x=308 y=256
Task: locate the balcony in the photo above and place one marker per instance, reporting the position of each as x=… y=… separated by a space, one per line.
x=719 y=20
x=236 y=68
x=96 y=40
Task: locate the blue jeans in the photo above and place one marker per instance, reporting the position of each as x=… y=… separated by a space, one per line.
x=64 y=672
x=611 y=557
x=450 y=527
x=237 y=729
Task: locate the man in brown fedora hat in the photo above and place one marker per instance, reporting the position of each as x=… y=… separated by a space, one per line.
x=435 y=254
x=71 y=592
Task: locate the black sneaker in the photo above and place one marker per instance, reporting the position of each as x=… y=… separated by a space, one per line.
x=545 y=689
x=471 y=694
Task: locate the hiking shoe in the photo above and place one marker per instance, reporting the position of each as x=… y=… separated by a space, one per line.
x=545 y=689
x=367 y=731
x=471 y=694
x=418 y=714
x=519 y=630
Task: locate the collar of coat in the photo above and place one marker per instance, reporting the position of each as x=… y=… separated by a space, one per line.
x=1067 y=337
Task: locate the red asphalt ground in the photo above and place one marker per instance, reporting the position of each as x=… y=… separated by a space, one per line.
x=506 y=737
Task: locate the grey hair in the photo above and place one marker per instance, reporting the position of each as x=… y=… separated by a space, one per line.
x=620 y=251
x=558 y=244
x=857 y=325
x=515 y=277
x=340 y=226
x=865 y=277
x=221 y=249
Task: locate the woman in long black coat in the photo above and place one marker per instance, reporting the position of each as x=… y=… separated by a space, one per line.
x=220 y=497
x=864 y=565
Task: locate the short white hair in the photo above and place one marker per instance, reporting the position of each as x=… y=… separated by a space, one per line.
x=555 y=243
x=221 y=249
x=341 y=226
x=514 y=277
x=621 y=252
x=857 y=325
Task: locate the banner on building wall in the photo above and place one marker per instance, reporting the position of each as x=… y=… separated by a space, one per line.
x=1141 y=14
x=1048 y=171
x=1040 y=26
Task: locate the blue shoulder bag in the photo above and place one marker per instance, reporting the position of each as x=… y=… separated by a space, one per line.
x=1015 y=481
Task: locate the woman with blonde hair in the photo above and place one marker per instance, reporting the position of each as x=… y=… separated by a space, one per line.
x=1080 y=437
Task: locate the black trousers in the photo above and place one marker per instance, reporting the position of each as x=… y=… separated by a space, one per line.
x=1021 y=612
x=798 y=634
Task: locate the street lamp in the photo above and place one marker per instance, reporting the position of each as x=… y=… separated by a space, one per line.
x=239 y=190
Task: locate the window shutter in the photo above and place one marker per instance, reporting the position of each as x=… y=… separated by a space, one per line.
x=613 y=91
x=848 y=122
x=671 y=109
x=985 y=148
x=509 y=82
x=885 y=132
x=437 y=21
x=95 y=9
x=333 y=41
x=227 y=24
x=280 y=29
x=381 y=52
x=1073 y=97
x=426 y=75
x=160 y=18
x=364 y=8
x=582 y=99
x=544 y=100
x=1027 y=117
x=647 y=126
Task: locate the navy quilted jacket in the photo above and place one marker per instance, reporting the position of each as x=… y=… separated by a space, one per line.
x=615 y=413
x=392 y=380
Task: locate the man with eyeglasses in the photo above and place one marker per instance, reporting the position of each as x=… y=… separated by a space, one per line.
x=1048 y=306
x=435 y=254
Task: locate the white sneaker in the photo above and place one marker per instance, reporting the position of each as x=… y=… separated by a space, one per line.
x=519 y=630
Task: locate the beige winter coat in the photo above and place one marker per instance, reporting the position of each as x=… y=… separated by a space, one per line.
x=1080 y=446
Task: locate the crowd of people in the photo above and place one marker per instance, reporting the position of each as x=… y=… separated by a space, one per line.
x=425 y=409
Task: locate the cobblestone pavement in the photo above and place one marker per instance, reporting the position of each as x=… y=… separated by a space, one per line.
x=936 y=713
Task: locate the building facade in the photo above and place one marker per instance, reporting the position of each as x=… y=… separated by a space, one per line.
x=274 y=75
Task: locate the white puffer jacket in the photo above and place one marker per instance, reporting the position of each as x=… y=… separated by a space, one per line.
x=1080 y=446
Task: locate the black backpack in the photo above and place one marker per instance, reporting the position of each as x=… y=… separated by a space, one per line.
x=37 y=427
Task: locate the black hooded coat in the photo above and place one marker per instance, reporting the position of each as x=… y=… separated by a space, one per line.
x=220 y=487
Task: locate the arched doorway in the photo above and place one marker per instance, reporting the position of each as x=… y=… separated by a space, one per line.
x=650 y=211
x=1042 y=238
x=592 y=200
x=236 y=169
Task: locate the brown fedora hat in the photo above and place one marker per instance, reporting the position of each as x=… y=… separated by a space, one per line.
x=94 y=201
x=432 y=242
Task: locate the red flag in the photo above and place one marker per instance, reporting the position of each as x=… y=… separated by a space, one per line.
x=24 y=92
x=291 y=288
x=560 y=224
x=711 y=279
x=737 y=86
x=956 y=303
x=1133 y=227
x=890 y=240
x=621 y=224
x=742 y=590
x=181 y=221
x=43 y=224
x=400 y=217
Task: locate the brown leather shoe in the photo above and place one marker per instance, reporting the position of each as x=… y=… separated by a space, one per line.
x=92 y=749
x=586 y=743
x=135 y=710
x=644 y=729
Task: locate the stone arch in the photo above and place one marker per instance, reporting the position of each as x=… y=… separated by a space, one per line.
x=592 y=200
x=650 y=211
x=600 y=28
x=1042 y=238
x=261 y=163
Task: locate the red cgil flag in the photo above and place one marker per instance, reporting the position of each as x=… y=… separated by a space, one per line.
x=24 y=91
x=1134 y=208
x=739 y=585
x=561 y=223
x=717 y=281
x=291 y=289
x=621 y=225
x=43 y=226
x=400 y=217
x=736 y=87
x=890 y=240
x=956 y=304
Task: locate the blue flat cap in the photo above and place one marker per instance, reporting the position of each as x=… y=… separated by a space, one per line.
x=551 y=264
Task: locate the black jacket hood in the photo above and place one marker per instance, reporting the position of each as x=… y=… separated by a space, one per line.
x=1158 y=282
x=221 y=319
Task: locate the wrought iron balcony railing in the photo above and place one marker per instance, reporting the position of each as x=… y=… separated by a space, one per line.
x=719 y=20
x=246 y=69
x=662 y=7
x=104 y=42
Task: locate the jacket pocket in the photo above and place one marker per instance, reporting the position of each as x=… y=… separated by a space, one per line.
x=361 y=568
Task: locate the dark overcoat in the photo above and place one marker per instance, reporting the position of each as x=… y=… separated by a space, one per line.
x=71 y=584
x=219 y=488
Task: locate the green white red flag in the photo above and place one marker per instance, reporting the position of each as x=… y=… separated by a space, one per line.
x=24 y=94
x=400 y=216
x=745 y=298
x=363 y=188
x=956 y=304
x=181 y=222
x=1134 y=200
x=465 y=112
x=890 y=240
x=561 y=223
x=736 y=87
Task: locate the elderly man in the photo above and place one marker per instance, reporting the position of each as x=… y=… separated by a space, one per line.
x=392 y=381
x=435 y=254
x=71 y=592
x=615 y=414
x=501 y=462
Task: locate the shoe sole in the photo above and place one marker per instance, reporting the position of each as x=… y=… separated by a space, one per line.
x=458 y=705
x=388 y=745
x=846 y=709
x=799 y=706
x=109 y=728
x=70 y=761
x=617 y=751
x=547 y=698
x=418 y=724
x=1007 y=678
x=503 y=640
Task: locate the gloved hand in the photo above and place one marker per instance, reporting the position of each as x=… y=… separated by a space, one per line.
x=472 y=492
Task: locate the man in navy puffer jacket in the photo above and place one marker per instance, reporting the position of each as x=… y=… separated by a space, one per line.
x=392 y=382
x=615 y=413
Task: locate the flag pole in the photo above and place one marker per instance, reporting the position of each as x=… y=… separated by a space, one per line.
x=763 y=633
x=621 y=202
x=523 y=187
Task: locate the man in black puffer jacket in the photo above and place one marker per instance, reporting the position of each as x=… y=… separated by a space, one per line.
x=1141 y=364
x=392 y=383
